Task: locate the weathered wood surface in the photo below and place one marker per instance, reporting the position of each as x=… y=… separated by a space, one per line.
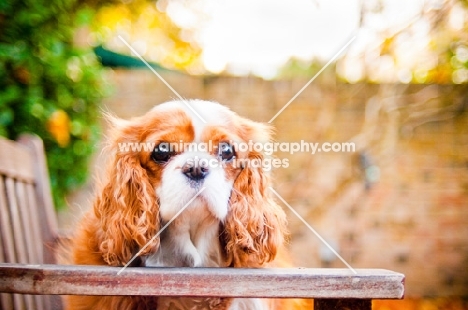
x=16 y=161
x=28 y=225
x=46 y=217
x=224 y=282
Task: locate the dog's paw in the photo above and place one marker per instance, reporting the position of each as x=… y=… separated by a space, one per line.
x=192 y=260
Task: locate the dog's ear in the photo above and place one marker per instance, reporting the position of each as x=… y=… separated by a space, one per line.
x=127 y=207
x=255 y=225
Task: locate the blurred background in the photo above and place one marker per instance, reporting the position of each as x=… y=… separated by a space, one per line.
x=399 y=91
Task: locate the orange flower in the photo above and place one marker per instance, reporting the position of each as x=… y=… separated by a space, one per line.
x=59 y=127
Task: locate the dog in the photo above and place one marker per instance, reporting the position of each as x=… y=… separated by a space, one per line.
x=182 y=166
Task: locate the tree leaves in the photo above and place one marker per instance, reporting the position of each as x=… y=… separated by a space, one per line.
x=48 y=87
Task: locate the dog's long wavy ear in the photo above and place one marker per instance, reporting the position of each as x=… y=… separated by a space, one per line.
x=127 y=207
x=255 y=226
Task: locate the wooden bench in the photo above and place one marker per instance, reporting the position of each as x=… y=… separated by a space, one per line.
x=31 y=279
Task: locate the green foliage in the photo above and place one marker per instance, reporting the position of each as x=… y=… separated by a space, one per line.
x=49 y=87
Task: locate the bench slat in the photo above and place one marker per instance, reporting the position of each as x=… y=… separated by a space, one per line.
x=6 y=227
x=43 y=198
x=6 y=300
x=11 y=223
x=224 y=282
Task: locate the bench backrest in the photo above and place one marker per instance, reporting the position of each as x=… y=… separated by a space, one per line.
x=28 y=225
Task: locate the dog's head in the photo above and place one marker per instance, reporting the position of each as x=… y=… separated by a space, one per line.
x=177 y=151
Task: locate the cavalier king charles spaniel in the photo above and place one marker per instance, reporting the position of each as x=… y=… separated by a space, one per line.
x=159 y=162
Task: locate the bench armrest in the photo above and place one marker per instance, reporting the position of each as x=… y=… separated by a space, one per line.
x=220 y=282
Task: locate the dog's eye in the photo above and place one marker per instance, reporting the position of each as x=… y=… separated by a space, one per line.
x=226 y=151
x=162 y=152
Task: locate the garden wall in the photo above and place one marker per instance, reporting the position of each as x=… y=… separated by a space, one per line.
x=399 y=202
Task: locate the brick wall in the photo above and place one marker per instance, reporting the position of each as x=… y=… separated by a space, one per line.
x=399 y=202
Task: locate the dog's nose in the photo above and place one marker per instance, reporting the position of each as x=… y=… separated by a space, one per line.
x=195 y=171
